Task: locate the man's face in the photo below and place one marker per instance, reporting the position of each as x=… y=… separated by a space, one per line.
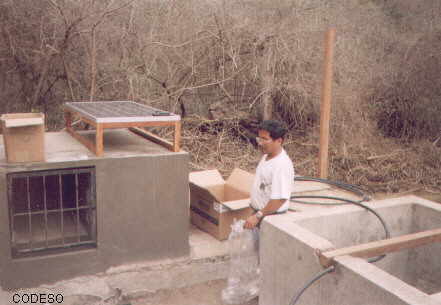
x=266 y=143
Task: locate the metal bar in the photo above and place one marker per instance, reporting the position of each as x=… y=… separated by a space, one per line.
x=11 y=211
x=61 y=208
x=77 y=210
x=45 y=210
x=52 y=211
x=93 y=210
x=32 y=245
x=29 y=212
x=52 y=172
x=66 y=245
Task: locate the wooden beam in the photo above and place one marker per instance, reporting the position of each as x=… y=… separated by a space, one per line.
x=86 y=142
x=23 y=122
x=381 y=247
x=325 y=109
x=73 y=115
x=152 y=137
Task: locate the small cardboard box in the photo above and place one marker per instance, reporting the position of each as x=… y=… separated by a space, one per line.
x=23 y=135
x=215 y=203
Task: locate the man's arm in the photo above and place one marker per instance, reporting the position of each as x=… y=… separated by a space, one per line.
x=272 y=206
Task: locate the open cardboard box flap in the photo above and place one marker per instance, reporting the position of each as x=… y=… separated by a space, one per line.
x=206 y=178
x=241 y=180
x=237 y=204
x=233 y=193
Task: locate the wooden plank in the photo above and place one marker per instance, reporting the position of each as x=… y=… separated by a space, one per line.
x=325 y=113
x=177 y=140
x=152 y=137
x=23 y=122
x=383 y=246
x=90 y=122
x=73 y=115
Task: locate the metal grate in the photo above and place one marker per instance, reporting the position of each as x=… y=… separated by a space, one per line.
x=52 y=210
x=120 y=111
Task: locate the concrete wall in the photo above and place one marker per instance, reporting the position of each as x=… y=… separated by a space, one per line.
x=424 y=267
x=288 y=262
x=142 y=215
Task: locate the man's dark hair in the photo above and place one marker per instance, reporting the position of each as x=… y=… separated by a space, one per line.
x=275 y=128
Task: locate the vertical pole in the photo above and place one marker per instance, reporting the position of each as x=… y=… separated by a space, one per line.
x=77 y=209
x=45 y=210
x=60 y=182
x=29 y=212
x=325 y=112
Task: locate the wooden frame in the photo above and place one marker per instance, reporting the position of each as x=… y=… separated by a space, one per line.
x=97 y=146
x=383 y=246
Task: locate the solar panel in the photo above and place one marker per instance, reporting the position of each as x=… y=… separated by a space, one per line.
x=120 y=111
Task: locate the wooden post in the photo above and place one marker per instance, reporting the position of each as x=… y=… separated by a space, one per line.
x=325 y=109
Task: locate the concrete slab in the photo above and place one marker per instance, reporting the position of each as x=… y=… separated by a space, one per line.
x=61 y=146
x=203 y=245
x=436 y=296
x=200 y=294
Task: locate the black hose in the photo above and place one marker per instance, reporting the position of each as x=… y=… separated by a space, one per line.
x=351 y=202
x=342 y=185
x=348 y=187
x=317 y=277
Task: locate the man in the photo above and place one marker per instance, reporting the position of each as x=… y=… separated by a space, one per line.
x=274 y=177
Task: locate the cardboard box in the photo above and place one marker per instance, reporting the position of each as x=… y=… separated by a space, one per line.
x=23 y=136
x=215 y=203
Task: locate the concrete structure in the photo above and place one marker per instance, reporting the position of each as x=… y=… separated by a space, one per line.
x=141 y=208
x=288 y=260
x=206 y=268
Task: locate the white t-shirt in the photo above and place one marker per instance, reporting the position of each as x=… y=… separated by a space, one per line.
x=273 y=180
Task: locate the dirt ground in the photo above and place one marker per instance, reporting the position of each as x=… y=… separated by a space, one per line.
x=201 y=294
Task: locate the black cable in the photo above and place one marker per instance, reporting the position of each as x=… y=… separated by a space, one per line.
x=347 y=187
x=342 y=185
x=317 y=277
x=351 y=202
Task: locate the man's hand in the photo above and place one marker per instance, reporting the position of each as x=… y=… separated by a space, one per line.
x=251 y=222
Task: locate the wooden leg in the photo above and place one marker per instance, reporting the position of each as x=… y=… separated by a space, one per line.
x=177 y=140
x=99 y=140
x=152 y=137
